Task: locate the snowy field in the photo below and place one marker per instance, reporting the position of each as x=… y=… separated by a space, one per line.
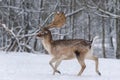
x=27 y=66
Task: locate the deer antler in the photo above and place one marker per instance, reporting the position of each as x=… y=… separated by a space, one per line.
x=58 y=21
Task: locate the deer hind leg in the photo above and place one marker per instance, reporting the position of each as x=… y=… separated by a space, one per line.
x=91 y=57
x=53 y=60
x=81 y=61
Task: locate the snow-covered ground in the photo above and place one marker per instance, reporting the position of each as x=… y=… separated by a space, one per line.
x=28 y=66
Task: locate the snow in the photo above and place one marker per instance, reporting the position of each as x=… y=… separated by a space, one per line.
x=28 y=66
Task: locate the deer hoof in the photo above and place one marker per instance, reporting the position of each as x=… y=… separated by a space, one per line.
x=99 y=73
x=58 y=71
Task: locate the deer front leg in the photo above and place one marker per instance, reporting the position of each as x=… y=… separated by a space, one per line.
x=51 y=64
x=56 y=66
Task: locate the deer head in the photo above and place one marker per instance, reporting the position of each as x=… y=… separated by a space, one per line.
x=45 y=34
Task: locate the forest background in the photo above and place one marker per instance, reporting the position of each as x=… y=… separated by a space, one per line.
x=86 y=19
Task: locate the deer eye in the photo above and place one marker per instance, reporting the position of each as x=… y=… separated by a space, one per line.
x=42 y=33
x=46 y=32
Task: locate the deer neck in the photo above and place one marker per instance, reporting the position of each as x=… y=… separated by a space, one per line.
x=47 y=43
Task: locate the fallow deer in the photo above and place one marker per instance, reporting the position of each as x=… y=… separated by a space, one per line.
x=68 y=49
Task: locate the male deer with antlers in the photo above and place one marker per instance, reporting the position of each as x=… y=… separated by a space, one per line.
x=67 y=49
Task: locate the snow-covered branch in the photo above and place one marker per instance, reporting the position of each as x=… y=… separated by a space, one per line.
x=101 y=15
x=76 y=11
x=17 y=38
x=28 y=10
x=104 y=11
x=68 y=33
x=109 y=13
x=12 y=33
x=27 y=35
x=11 y=7
x=47 y=19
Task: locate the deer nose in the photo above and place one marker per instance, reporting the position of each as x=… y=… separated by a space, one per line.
x=38 y=34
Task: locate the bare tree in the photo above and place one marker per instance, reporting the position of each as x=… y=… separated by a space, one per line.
x=84 y=20
x=118 y=30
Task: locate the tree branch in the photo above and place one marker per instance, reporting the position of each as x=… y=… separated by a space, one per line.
x=76 y=11
x=12 y=33
x=105 y=12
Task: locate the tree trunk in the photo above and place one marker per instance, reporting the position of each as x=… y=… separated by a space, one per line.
x=103 y=29
x=89 y=28
x=110 y=38
x=72 y=8
x=103 y=37
x=118 y=31
x=118 y=38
